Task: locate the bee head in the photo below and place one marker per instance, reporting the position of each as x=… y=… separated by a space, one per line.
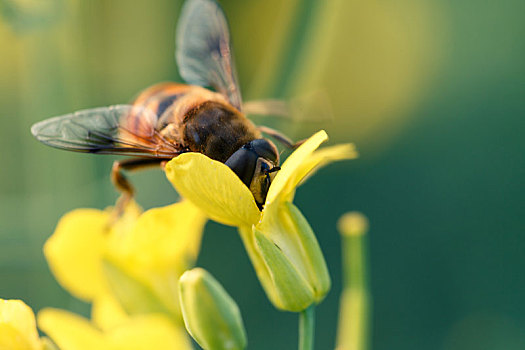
x=256 y=164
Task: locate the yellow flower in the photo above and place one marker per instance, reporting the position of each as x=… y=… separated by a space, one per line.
x=146 y=250
x=127 y=268
x=17 y=326
x=72 y=332
x=278 y=239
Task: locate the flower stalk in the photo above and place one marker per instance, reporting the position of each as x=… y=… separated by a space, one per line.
x=354 y=312
x=307 y=328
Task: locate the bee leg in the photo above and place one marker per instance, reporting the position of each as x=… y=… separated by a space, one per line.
x=121 y=182
x=283 y=139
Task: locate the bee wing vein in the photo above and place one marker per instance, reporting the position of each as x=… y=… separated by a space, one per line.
x=203 y=53
x=106 y=130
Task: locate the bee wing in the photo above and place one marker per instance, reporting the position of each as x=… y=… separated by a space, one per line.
x=106 y=130
x=314 y=106
x=203 y=51
x=278 y=108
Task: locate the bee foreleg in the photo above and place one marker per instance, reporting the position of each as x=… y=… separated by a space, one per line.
x=283 y=139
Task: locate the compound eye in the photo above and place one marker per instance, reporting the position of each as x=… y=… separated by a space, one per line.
x=265 y=149
x=243 y=163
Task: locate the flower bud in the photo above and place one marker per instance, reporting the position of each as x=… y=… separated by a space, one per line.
x=211 y=316
x=287 y=258
x=353 y=224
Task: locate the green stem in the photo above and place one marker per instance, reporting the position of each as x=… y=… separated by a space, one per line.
x=307 y=328
x=355 y=305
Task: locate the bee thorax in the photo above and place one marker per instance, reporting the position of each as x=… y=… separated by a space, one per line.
x=216 y=130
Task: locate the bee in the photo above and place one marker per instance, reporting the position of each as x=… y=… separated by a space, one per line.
x=169 y=119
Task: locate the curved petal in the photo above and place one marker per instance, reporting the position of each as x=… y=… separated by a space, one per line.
x=214 y=188
x=303 y=163
x=163 y=243
x=74 y=252
x=319 y=159
x=166 y=237
x=134 y=294
x=69 y=331
x=289 y=176
x=124 y=223
x=17 y=326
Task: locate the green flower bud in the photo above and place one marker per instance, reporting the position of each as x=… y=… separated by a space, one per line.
x=353 y=224
x=211 y=316
x=287 y=258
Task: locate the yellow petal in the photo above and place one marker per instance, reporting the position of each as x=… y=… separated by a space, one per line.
x=106 y=312
x=47 y=344
x=74 y=252
x=163 y=243
x=126 y=221
x=72 y=332
x=149 y=332
x=69 y=331
x=214 y=188
x=17 y=326
x=289 y=176
x=134 y=294
x=322 y=157
x=164 y=237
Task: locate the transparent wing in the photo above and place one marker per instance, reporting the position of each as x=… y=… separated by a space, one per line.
x=314 y=106
x=203 y=51
x=120 y=129
x=278 y=108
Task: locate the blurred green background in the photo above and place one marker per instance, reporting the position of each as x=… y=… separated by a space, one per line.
x=432 y=92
